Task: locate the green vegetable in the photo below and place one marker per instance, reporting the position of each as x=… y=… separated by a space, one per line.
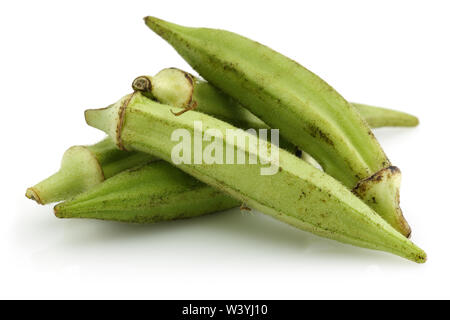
x=308 y=112
x=378 y=117
x=297 y=193
x=149 y=193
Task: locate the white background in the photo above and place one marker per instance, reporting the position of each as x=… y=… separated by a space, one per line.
x=59 y=58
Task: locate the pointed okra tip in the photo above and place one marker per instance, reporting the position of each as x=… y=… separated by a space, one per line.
x=62 y=212
x=162 y=27
x=407 y=249
x=381 y=192
x=154 y=23
x=420 y=256
x=150 y=21
x=382 y=117
x=411 y=120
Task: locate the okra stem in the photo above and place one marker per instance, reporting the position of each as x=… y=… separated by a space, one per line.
x=83 y=167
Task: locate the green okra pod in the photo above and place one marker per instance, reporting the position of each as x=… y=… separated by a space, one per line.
x=148 y=193
x=297 y=193
x=308 y=112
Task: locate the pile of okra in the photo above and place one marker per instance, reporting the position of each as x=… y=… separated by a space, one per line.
x=253 y=130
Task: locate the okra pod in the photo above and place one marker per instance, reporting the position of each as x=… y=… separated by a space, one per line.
x=146 y=194
x=297 y=193
x=308 y=112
